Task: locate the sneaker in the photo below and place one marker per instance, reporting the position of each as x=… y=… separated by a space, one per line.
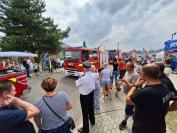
x=123 y=125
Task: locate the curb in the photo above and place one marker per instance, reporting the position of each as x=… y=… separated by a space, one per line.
x=45 y=74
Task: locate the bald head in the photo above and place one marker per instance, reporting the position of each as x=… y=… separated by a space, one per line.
x=151 y=71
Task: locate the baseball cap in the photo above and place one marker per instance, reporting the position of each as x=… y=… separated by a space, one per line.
x=86 y=64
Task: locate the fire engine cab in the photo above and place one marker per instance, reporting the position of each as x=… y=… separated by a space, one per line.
x=74 y=58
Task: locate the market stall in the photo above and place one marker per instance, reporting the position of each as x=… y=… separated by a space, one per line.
x=171 y=53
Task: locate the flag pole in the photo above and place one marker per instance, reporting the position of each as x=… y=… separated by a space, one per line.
x=118 y=49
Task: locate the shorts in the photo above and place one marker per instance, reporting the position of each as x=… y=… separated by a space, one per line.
x=129 y=109
x=105 y=82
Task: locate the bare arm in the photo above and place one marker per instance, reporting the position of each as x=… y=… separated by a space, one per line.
x=69 y=106
x=173 y=106
x=37 y=120
x=101 y=75
x=30 y=108
x=127 y=82
x=134 y=79
x=130 y=93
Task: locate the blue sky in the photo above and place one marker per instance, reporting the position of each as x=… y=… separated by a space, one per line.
x=134 y=23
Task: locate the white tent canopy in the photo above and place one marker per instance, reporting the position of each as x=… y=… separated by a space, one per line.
x=17 y=54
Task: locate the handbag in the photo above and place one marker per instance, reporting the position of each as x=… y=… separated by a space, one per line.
x=70 y=120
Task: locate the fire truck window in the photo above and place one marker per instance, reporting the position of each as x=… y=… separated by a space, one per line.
x=85 y=55
x=93 y=54
x=72 y=54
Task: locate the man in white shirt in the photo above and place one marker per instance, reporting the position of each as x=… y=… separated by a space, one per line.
x=86 y=86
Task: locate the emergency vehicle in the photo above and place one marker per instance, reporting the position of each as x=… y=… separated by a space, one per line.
x=74 y=58
x=16 y=75
x=19 y=79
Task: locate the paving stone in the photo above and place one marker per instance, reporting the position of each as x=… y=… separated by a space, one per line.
x=112 y=113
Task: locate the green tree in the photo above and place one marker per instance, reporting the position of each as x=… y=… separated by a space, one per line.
x=26 y=29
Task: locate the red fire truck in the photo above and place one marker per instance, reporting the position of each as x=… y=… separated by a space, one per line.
x=74 y=58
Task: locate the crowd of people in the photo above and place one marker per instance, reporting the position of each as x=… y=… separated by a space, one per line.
x=30 y=65
x=7 y=63
x=27 y=64
x=150 y=94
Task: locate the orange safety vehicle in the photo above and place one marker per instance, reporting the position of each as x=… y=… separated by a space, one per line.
x=74 y=58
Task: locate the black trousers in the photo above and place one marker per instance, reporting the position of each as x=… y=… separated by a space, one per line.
x=87 y=107
x=27 y=72
x=122 y=73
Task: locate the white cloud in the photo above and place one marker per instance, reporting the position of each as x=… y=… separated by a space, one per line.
x=135 y=24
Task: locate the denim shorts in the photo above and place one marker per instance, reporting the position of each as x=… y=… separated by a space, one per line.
x=105 y=82
x=129 y=109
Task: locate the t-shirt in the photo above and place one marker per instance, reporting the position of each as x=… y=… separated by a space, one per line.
x=122 y=65
x=106 y=74
x=14 y=121
x=132 y=78
x=151 y=107
x=165 y=80
x=57 y=103
x=115 y=67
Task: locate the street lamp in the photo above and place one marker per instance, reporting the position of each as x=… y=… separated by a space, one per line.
x=173 y=35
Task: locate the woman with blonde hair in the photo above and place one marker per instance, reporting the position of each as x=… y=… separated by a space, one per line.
x=53 y=108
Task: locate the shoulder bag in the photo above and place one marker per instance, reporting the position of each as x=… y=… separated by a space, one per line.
x=70 y=120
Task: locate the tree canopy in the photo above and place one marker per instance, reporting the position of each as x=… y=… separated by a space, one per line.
x=26 y=29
